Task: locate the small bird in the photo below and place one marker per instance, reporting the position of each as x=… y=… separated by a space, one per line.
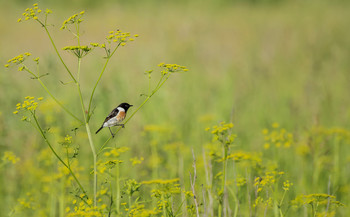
x=115 y=117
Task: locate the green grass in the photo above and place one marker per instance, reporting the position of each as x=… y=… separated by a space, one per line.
x=252 y=65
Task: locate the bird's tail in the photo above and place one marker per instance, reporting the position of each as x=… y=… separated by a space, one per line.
x=99 y=130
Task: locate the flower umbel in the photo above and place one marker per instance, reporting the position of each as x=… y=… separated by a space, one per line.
x=79 y=51
x=29 y=104
x=75 y=18
x=172 y=68
x=33 y=13
x=17 y=59
x=120 y=37
x=10 y=157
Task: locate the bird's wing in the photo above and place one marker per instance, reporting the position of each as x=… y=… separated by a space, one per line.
x=112 y=114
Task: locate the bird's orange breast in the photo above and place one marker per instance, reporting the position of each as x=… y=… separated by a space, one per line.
x=120 y=116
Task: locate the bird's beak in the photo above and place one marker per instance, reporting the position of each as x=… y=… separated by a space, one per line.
x=131 y=105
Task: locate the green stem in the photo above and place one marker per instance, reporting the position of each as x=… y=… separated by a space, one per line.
x=223 y=187
x=88 y=131
x=78 y=34
x=99 y=78
x=280 y=204
x=58 y=54
x=118 y=189
x=129 y=204
x=55 y=153
x=95 y=161
x=67 y=156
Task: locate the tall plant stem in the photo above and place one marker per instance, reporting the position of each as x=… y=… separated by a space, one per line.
x=223 y=187
x=118 y=189
x=99 y=78
x=88 y=131
x=95 y=161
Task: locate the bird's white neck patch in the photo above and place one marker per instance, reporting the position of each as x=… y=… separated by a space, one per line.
x=121 y=109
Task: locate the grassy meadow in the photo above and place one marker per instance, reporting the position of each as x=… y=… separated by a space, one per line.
x=257 y=126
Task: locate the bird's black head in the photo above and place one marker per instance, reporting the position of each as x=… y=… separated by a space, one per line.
x=125 y=106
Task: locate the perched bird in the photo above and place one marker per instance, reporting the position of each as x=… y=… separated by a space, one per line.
x=115 y=117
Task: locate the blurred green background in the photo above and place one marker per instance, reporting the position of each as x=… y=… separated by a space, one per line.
x=253 y=62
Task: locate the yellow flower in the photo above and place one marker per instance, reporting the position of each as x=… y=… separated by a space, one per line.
x=266 y=146
x=160 y=181
x=67 y=209
x=275 y=125
x=89 y=201
x=265 y=131
x=136 y=160
x=10 y=157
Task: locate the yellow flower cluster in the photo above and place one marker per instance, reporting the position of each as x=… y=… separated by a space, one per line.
x=339 y=133
x=267 y=180
x=319 y=199
x=160 y=181
x=17 y=59
x=32 y=13
x=10 y=157
x=27 y=202
x=79 y=51
x=286 y=185
x=29 y=104
x=84 y=209
x=136 y=160
x=75 y=18
x=221 y=128
x=115 y=152
x=172 y=68
x=98 y=45
x=162 y=203
x=240 y=181
x=75 y=48
x=222 y=133
x=188 y=193
x=139 y=210
x=241 y=156
x=260 y=201
x=110 y=164
x=68 y=139
x=277 y=136
x=131 y=186
x=166 y=190
x=120 y=37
